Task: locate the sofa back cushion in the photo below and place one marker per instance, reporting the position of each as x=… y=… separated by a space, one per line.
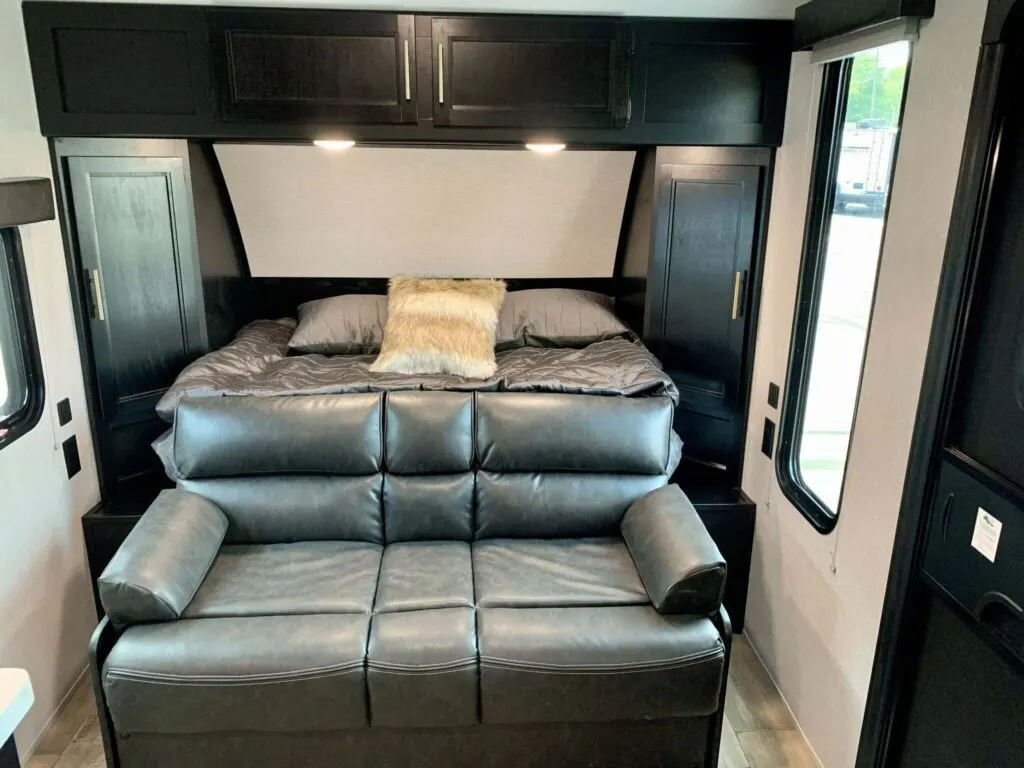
x=420 y=466
x=429 y=478
x=554 y=466
x=303 y=468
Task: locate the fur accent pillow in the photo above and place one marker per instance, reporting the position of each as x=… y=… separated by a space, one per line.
x=441 y=326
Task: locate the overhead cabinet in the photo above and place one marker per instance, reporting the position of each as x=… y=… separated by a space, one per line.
x=190 y=71
x=321 y=67
x=531 y=72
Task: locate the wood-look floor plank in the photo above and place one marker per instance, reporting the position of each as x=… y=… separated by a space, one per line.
x=731 y=754
x=752 y=702
x=776 y=749
x=84 y=752
x=68 y=721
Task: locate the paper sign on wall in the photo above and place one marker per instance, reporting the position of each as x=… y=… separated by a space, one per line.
x=986 y=534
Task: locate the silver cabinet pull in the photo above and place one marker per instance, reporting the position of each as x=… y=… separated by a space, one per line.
x=97 y=293
x=408 y=84
x=440 y=73
x=736 y=284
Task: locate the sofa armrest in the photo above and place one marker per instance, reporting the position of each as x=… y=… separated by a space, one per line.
x=162 y=562
x=679 y=564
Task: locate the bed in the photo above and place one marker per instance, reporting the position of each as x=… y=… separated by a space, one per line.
x=258 y=362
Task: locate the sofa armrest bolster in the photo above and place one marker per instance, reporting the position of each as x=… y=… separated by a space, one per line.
x=679 y=564
x=162 y=562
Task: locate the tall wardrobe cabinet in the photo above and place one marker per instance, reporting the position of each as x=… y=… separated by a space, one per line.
x=132 y=251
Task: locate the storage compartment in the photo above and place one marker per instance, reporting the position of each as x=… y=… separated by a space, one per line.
x=975 y=547
x=538 y=73
x=314 y=66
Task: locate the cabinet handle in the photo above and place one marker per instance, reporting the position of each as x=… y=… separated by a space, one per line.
x=440 y=73
x=737 y=283
x=408 y=84
x=97 y=293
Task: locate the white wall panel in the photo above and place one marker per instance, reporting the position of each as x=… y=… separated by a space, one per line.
x=379 y=212
x=815 y=601
x=46 y=607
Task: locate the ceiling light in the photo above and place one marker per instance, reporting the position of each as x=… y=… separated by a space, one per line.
x=545 y=148
x=334 y=145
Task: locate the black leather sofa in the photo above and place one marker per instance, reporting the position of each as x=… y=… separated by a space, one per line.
x=416 y=579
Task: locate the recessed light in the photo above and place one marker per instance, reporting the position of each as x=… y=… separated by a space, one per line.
x=334 y=145
x=544 y=148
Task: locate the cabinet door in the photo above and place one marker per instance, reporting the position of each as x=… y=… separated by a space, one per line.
x=133 y=218
x=704 y=232
x=312 y=66
x=531 y=72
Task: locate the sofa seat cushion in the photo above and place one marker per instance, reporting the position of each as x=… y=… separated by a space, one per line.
x=263 y=673
x=596 y=664
x=422 y=668
x=525 y=573
x=278 y=579
x=425 y=575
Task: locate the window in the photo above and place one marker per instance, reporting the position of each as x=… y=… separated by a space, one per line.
x=21 y=381
x=858 y=132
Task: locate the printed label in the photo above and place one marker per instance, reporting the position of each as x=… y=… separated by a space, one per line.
x=986 y=534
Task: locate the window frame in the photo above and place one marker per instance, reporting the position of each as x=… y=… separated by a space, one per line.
x=26 y=418
x=828 y=142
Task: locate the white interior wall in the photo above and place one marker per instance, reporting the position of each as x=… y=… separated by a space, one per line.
x=46 y=607
x=379 y=212
x=815 y=601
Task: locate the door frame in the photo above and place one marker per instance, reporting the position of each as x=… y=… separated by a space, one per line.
x=900 y=631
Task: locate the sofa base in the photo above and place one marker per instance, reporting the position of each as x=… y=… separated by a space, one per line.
x=677 y=743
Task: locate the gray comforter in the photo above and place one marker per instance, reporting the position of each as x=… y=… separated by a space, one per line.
x=257 y=362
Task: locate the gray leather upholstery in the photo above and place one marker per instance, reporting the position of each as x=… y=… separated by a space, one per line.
x=421 y=668
x=228 y=436
x=549 y=505
x=429 y=433
x=425 y=507
x=258 y=673
x=278 y=579
x=577 y=432
x=595 y=664
x=680 y=565
x=423 y=575
x=551 y=573
x=282 y=508
x=162 y=562
x=418 y=561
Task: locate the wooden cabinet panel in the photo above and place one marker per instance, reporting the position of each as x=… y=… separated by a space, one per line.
x=136 y=242
x=505 y=72
x=705 y=227
x=321 y=67
x=726 y=79
x=117 y=71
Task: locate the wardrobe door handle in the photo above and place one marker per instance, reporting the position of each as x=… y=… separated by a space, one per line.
x=440 y=73
x=737 y=285
x=93 y=277
x=408 y=82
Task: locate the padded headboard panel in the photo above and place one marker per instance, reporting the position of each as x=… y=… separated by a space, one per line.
x=379 y=212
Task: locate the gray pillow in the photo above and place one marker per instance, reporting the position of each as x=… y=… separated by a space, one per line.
x=352 y=324
x=556 y=317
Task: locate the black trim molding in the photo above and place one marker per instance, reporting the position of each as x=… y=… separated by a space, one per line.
x=821 y=20
x=828 y=142
x=28 y=416
x=25 y=201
